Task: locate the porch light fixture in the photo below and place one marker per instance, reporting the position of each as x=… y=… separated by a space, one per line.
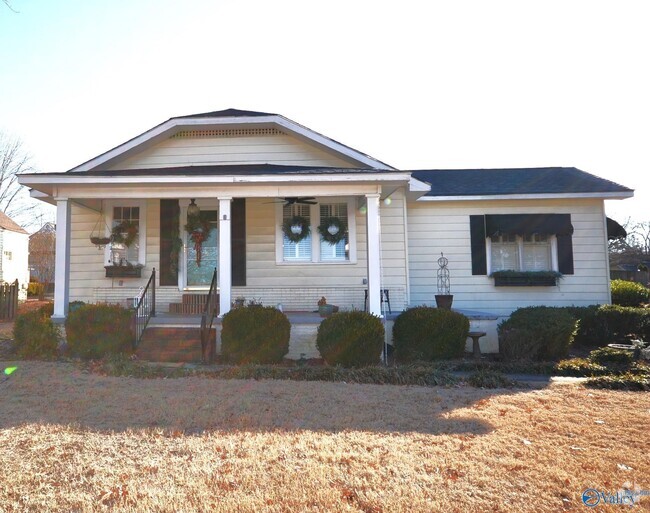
x=193 y=209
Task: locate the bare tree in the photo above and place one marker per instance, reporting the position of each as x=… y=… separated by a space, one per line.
x=14 y=198
x=41 y=254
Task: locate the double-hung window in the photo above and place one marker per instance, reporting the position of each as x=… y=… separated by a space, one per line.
x=131 y=215
x=297 y=251
x=339 y=251
x=510 y=252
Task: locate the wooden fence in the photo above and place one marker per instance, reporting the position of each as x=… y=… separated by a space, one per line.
x=8 y=300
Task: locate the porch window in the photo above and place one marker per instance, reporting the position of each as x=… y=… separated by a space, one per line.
x=297 y=251
x=133 y=212
x=341 y=250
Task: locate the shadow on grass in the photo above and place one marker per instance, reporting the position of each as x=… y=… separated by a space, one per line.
x=58 y=393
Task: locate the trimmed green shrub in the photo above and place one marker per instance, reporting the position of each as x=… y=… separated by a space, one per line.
x=255 y=334
x=537 y=333
x=609 y=355
x=94 y=331
x=424 y=333
x=35 y=335
x=607 y=324
x=351 y=339
x=629 y=293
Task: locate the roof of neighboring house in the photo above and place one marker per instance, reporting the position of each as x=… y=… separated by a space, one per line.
x=7 y=223
x=493 y=182
x=234 y=169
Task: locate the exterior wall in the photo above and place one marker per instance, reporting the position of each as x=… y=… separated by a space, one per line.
x=295 y=286
x=16 y=267
x=444 y=227
x=238 y=149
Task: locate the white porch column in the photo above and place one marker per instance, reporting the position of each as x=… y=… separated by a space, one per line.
x=224 y=272
x=374 y=266
x=62 y=260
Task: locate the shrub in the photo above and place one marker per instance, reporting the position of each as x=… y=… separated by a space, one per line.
x=487 y=378
x=426 y=334
x=608 y=355
x=537 y=332
x=94 y=331
x=35 y=335
x=626 y=381
x=629 y=293
x=351 y=339
x=606 y=324
x=35 y=289
x=579 y=367
x=255 y=334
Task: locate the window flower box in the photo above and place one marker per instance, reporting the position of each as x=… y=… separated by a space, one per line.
x=525 y=279
x=123 y=271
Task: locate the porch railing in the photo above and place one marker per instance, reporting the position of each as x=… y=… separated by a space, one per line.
x=145 y=309
x=8 y=300
x=207 y=318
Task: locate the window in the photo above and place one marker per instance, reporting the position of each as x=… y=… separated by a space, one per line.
x=134 y=213
x=520 y=253
x=9 y=255
x=297 y=251
x=313 y=248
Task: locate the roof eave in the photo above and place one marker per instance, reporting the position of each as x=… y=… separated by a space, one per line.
x=564 y=195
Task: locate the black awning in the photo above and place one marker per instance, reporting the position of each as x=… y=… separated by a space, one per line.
x=615 y=230
x=527 y=224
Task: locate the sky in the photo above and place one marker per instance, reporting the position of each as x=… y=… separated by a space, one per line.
x=417 y=84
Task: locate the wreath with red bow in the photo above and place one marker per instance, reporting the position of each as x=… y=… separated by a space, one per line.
x=199 y=230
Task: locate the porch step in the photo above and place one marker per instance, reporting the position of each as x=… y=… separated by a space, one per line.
x=160 y=344
x=192 y=304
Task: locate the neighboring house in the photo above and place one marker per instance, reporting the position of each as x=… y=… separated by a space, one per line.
x=250 y=172
x=13 y=254
x=41 y=254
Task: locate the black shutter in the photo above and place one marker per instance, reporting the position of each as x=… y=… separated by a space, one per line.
x=238 y=241
x=565 y=254
x=169 y=231
x=477 y=233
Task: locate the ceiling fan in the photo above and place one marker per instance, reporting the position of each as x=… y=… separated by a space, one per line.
x=297 y=200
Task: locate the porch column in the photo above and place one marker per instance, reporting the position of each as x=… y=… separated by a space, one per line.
x=224 y=272
x=62 y=260
x=374 y=267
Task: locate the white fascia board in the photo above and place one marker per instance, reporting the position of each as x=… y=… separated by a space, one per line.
x=33 y=193
x=175 y=125
x=72 y=179
x=568 y=195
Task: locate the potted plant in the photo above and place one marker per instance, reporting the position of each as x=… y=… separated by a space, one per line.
x=324 y=309
x=443 y=299
x=239 y=302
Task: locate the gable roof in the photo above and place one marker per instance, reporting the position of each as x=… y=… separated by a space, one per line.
x=517 y=181
x=228 y=118
x=7 y=223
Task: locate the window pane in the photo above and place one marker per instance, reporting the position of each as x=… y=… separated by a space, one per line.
x=292 y=251
x=341 y=250
x=505 y=254
x=120 y=253
x=537 y=253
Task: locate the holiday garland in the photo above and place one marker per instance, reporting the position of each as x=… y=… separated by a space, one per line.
x=124 y=233
x=296 y=228
x=199 y=231
x=332 y=230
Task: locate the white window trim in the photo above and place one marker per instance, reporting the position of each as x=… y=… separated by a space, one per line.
x=142 y=235
x=520 y=244
x=314 y=218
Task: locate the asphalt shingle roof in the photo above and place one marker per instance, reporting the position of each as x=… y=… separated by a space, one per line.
x=8 y=223
x=487 y=182
x=227 y=113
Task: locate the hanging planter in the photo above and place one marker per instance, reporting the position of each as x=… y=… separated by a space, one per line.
x=332 y=230
x=98 y=235
x=124 y=233
x=296 y=228
x=198 y=230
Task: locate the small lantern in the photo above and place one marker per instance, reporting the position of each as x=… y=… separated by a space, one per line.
x=193 y=209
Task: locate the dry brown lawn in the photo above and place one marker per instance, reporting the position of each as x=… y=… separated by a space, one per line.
x=71 y=441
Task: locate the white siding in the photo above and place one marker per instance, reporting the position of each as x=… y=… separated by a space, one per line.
x=14 y=265
x=256 y=149
x=434 y=227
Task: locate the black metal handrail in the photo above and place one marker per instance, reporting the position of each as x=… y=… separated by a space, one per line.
x=207 y=318
x=145 y=308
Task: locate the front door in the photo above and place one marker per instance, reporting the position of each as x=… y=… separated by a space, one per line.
x=199 y=269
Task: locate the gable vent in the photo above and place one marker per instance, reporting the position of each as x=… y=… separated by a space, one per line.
x=233 y=132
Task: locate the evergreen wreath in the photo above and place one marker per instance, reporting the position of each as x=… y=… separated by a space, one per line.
x=332 y=238
x=305 y=229
x=199 y=230
x=124 y=233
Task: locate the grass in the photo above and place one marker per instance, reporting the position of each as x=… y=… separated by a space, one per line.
x=73 y=440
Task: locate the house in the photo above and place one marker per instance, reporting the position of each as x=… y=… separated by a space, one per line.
x=41 y=254
x=13 y=254
x=259 y=189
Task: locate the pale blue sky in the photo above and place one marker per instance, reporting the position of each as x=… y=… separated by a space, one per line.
x=431 y=84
